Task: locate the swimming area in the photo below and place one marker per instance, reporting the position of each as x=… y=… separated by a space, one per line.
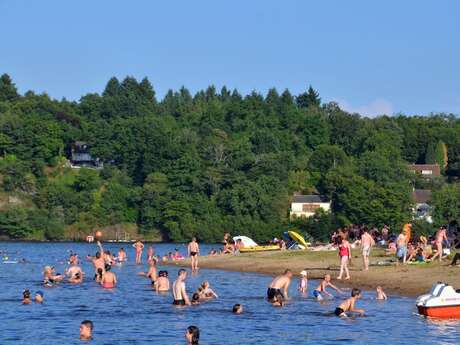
x=134 y=314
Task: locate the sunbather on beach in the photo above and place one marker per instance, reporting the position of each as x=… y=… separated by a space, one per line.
x=349 y=305
x=320 y=292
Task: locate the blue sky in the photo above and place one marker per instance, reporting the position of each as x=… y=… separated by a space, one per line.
x=371 y=56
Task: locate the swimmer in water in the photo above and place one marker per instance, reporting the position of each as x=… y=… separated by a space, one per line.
x=109 y=279
x=162 y=283
x=193 y=251
x=152 y=272
x=39 y=297
x=349 y=305
x=303 y=282
x=278 y=299
x=280 y=282
x=139 y=246
x=195 y=299
x=26 y=297
x=50 y=277
x=86 y=330
x=321 y=289
x=179 y=291
x=205 y=292
x=237 y=309
x=121 y=257
x=75 y=274
x=192 y=335
x=380 y=295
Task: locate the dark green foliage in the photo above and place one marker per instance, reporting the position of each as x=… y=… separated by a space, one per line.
x=212 y=162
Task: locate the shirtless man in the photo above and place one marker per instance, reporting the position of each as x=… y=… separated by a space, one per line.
x=98 y=260
x=75 y=274
x=109 y=279
x=152 y=272
x=440 y=237
x=366 y=244
x=179 y=292
x=349 y=305
x=321 y=289
x=280 y=282
x=162 y=283
x=139 y=246
x=193 y=252
x=401 y=245
x=86 y=330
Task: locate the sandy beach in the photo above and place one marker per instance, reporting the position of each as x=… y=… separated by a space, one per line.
x=406 y=280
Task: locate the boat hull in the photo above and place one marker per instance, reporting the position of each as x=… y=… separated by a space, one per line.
x=445 y=312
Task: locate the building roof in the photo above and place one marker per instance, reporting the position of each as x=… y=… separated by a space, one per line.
x=312 y=198
x=435 y=168
x=421 y=196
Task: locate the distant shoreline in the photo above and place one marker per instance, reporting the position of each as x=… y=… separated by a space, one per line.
x=405 y=280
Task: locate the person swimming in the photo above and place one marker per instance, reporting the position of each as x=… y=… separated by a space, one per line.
x=205 y=292
x=321 y=288
x=39 y=297
x=49 y=276
x=349 y=305
x=192 y=335
x=237 y=309
x=26 y=297
x=86 y=330
x=195 y=298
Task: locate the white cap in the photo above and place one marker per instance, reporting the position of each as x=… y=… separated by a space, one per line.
x=303 y=273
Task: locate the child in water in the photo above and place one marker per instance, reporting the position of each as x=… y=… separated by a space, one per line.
x=195 y=299
x=39 y=297
x=349 y=305
x=381 y=296
x=205 y=291
x=303 y=282
x=277 y=299
x=237 y=309
x=26 y=297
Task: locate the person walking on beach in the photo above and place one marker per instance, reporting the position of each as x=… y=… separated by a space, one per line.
x=280 y=282
x=345 y=257
x=193 y=252
x=401 y=248
x=366 y=245
x=179 y=291
x=440 y=237
x=139 y=246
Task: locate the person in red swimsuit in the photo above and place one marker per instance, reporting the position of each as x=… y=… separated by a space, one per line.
x=345 y=256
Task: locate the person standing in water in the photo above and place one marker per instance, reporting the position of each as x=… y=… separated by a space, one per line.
x=193 y=252
x=162 y=283
x=366 y=245
x=121 y=257
x=179 y=291
x=440 y=237
x=321 y=289
x=139 y=246
x=349 y=305
x=280 y=282
x=109 y=279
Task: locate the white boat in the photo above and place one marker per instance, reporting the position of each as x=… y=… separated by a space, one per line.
x=443 y=301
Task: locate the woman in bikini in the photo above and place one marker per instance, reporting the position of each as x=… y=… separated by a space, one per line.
x=345 y=256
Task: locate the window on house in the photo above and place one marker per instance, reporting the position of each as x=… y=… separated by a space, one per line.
x=427 y=172
x=310 y=207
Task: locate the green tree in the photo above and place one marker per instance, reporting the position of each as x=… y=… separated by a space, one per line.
x=309 y=98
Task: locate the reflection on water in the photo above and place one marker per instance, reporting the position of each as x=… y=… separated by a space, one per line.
x=133 y=314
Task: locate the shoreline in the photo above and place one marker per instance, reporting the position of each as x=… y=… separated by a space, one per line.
x=405 y=280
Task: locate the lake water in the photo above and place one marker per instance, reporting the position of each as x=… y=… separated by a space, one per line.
x=134 y=314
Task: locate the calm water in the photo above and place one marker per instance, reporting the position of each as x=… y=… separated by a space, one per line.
x=134 y=314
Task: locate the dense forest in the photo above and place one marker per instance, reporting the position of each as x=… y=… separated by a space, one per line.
x=212 y=162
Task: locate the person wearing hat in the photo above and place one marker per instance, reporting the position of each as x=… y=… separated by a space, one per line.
x=303 y=282
x=39 y=297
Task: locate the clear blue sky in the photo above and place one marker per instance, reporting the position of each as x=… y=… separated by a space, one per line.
x=371 y=56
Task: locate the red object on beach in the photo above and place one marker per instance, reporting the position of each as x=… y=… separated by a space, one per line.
x=98 y=234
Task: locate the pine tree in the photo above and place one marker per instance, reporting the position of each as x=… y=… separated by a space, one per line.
x=8 y=91
x=309 y=98
x=112 y=88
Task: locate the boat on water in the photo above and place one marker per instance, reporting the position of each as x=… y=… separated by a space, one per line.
x=443 y=301
x=250 y=246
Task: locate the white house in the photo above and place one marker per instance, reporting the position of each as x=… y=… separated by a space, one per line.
x=306 y=205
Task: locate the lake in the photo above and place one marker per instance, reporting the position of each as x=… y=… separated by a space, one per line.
x=134 y=314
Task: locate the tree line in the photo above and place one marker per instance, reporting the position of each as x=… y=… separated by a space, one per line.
x=213 y=162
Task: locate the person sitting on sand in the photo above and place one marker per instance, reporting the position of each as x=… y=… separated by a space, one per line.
x=39 y=296
x=50 y=277
x=237 y=309
x=380 y=295
x=303 y=282
x=213 y=252
x=205 y=292
x=320 y=291
x=280 y=282
x=179 y=291
x=109 y=279
x=162 y=283
x=26 y=297
x=349 y=305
